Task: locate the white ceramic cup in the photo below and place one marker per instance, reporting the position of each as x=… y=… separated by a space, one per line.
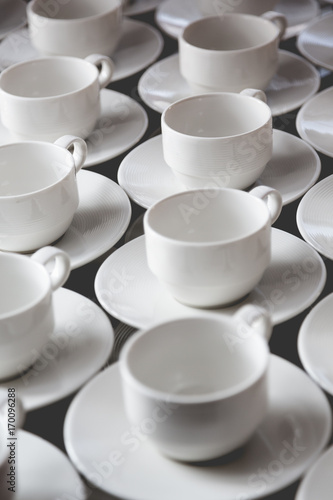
x=219 y=7
x=211 y=247
x=197 y=387
x=26 y=307
x=45 y=98
x=74 y=27
x=38 y=191
x=231 y=52
x=222 y=139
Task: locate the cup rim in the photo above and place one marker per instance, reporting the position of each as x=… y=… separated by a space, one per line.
x=182 y=38
x=211 y=397
x=211 y=95
x=74 y=59
x=50 y=186
x=31 y=6
x=203 y=244
x=46 y=288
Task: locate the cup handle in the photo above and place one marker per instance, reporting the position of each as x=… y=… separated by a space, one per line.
x=255 y=319
x=278 y=19
x=62 y=264
x=106 y=69
x=272 y=198
x=80 y=149
x=257 y=94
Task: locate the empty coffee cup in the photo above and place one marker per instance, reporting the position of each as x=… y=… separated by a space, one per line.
x=197 y=385
x=26 y=307
x=222 y=139
x=43 y=99
x=231 y=52
x=220 y=7
x=74 y=27
x=38 y=191
x=211 y=247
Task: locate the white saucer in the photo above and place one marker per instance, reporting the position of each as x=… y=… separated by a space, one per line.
x=299 y=419
x=315 y=343
x=127 y=289
x=122 y=123
x=13 y=16
x=44 y=472
x=296 y=81
x=314 y=217
x=318 y=482
x=80 y=345
x=173 y=15
x=102 y=217
x=139 y=46
x=146 y=178
x=314 y=121
x=136 y=7
x=316 y=41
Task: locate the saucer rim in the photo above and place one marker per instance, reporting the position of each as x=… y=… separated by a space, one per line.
x=137 y=10
x=140 y=241
x=112 y=370
x=310 y=475
x=305 y=32
x=301 y=225
x=300 y=122
x=302 y=349
x=138 y=200
x=62 y=458
x=110 y=92
x=52 y=397
x=282 y=52
x=107 y=246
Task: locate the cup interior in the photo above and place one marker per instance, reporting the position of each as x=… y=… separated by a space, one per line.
x=191 y=357
x=29 y=167
x=230 y=32
x=48 y=77
x=74 y=9
x=217 y=115
x=23 y=284
x=203 y=217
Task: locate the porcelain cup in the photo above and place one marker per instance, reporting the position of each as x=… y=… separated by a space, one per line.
x=211 y=247
x=45 y=98
x=38 y=191
x=222 y=139
x=220 y=7
x=74 y=27
x=198 y=386
x=26 y=308
x=231 y=52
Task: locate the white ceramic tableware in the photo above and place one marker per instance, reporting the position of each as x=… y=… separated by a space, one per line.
x=231 y=52
x=211 y=247
x=295 y=81
x=292 y=170
x=222 y=139
x=220 y=7
x=122 y=462
x=74 y=27
x=38 y=191
x=26 y=313
x=317 y=482
x=201 y=383
x=45 y=98
x=315 y=41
